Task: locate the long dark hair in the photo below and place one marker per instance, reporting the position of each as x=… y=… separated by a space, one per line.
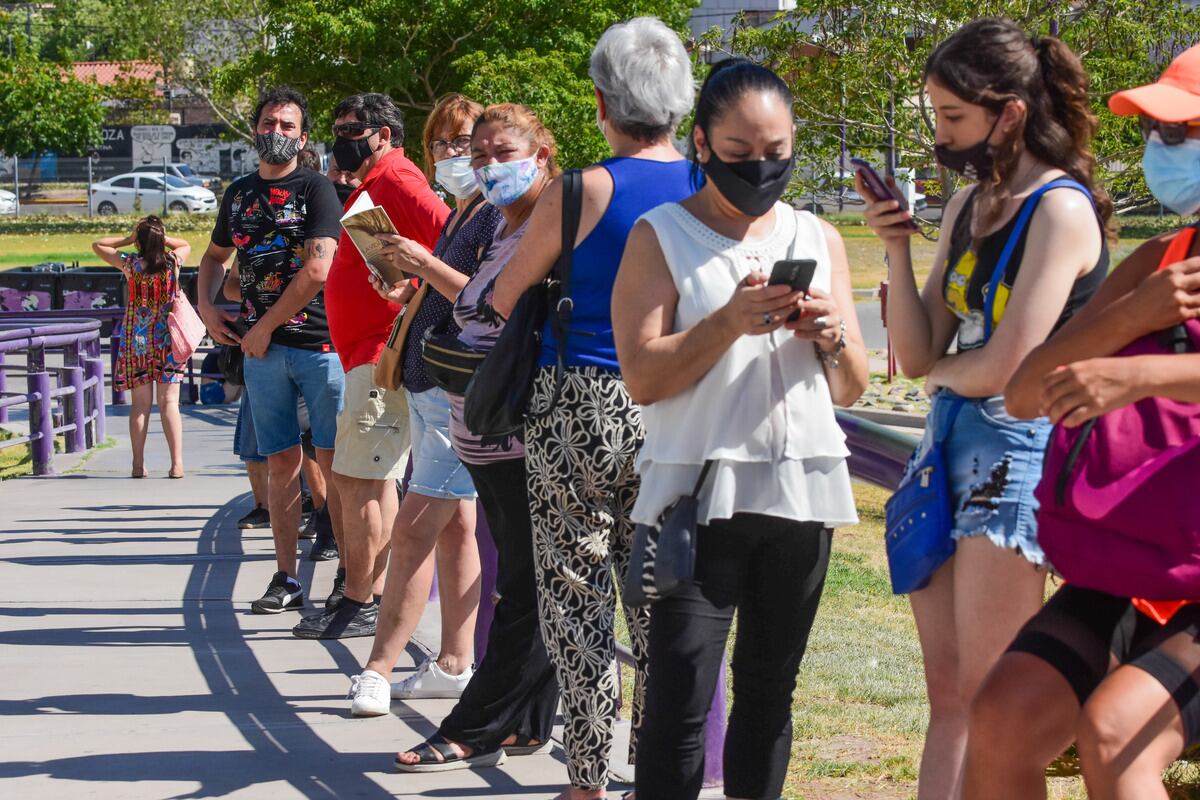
x=727 y=82
x=151 y=244
x=990 y=62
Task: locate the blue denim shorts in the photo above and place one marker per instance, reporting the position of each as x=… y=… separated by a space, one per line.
x=278 y=380
x=993 y=463
x=245 y=443
x=437 y=471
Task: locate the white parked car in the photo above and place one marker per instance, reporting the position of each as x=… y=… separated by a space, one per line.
x=8 y=202
x=117 y=195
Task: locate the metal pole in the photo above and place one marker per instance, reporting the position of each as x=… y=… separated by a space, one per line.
x=95 y=369
x=89 y=189
x=41 y=418
x=17 y=184
x=3 y=389
x=119 y=398
x=164 y=179
x=487 y=581
x=73 y=404
x=714 y=734
x=891 y=123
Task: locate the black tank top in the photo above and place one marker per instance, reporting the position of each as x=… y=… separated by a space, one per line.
x=969 y=268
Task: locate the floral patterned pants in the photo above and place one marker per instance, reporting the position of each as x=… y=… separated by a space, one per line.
x=582 y=487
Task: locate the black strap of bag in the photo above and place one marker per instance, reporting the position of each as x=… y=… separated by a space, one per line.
x=560 y=318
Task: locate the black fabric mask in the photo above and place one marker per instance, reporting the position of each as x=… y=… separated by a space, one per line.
x=975 y=163
x=275 y=147
x=751 y=186
x=351 y=153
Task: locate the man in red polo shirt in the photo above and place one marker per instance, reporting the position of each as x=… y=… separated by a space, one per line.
x=372 y=430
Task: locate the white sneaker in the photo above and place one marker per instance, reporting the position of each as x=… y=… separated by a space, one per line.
x=370 y=693
x=430 y=681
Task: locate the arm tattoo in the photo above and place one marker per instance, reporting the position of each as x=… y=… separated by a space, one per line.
x=318 y=248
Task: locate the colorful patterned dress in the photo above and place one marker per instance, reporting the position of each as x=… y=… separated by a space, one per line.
x=144 y=354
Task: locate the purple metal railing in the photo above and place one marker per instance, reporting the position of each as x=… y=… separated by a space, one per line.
x=79 y=387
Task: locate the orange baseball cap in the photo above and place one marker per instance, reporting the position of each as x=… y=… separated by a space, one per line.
x=1174 y=97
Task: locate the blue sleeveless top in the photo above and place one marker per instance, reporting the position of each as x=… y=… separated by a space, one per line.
x=638 y=186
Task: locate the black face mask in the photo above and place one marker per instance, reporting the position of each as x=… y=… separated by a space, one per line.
x=751 y=186
x=974 y=163
x=351 y=153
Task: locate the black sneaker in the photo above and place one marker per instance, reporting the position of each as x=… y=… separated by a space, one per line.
x=324 y=547
x=258 y=518
x=283 y=594
x=348 y=620
x=306 y=504
x=339 y=589
x=308 y=527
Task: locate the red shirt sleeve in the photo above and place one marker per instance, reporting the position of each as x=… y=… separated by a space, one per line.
x=416 y=211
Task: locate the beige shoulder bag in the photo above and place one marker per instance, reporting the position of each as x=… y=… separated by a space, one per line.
x=389 y=368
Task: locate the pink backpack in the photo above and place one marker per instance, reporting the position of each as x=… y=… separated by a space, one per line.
x=1120 y=496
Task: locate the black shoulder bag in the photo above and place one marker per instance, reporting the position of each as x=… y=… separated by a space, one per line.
x=497 y=396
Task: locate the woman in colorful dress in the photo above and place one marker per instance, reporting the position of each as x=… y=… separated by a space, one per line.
x=144 y=354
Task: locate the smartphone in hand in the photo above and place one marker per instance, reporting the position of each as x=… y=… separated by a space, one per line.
x=794 y=272
x=879 y=187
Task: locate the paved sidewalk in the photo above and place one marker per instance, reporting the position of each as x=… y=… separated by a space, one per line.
x=133 y=668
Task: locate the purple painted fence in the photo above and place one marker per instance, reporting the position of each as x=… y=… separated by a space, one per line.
x=75 y=402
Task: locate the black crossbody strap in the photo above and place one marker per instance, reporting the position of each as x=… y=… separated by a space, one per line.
x=572 y=207
x=703 y=476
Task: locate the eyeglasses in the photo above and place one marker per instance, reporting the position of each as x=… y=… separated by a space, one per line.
x=460 y=144
x=352 y=129
x=1171 y=133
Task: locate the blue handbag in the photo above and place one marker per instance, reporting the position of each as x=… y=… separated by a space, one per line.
x=918 y=516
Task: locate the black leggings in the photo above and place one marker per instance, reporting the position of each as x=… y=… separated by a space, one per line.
x=514 y=690
x=772 y=571
x=1082 y=632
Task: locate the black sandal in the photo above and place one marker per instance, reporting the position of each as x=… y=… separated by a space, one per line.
x=428 y=751
x=527 y=746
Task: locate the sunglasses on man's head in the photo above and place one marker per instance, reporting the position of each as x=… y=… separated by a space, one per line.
x=1171 y=133
x=353 y=128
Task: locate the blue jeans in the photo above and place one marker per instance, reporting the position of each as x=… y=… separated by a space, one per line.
x=245 y=443
x=278 y=380
x=437 y=471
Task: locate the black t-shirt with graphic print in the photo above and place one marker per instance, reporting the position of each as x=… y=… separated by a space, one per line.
x=269 y=222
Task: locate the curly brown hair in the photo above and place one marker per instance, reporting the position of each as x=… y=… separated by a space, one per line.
x=991 y=62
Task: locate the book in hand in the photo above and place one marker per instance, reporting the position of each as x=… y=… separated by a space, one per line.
x=361 y=222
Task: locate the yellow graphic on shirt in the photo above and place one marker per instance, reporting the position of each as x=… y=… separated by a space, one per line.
x=970 y=332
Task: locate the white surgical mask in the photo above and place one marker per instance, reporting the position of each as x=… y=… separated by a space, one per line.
x=1173 y=173
x=456 y=176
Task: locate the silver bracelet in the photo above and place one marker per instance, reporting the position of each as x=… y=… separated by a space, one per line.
x=831 y=359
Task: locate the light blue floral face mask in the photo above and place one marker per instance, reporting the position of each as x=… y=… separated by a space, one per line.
x=1173 y=173
x=506 y=182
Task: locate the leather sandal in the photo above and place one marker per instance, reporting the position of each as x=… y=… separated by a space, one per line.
x=428 y=751
x=527 y=746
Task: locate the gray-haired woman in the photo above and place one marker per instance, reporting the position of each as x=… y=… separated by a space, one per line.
x=580 y=456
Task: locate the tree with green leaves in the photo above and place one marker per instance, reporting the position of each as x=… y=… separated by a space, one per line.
x=43 y=107
x=855 y=70
x=529 y=51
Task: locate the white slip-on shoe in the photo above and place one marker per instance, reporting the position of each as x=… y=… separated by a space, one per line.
x=370 y=694
x=432 y=682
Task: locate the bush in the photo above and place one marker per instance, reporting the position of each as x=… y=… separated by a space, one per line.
x=45 y=223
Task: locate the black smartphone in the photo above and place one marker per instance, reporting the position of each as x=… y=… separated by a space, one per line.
x=879 y=187
x=796 y=273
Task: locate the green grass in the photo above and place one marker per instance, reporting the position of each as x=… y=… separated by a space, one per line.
x=26 y=249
